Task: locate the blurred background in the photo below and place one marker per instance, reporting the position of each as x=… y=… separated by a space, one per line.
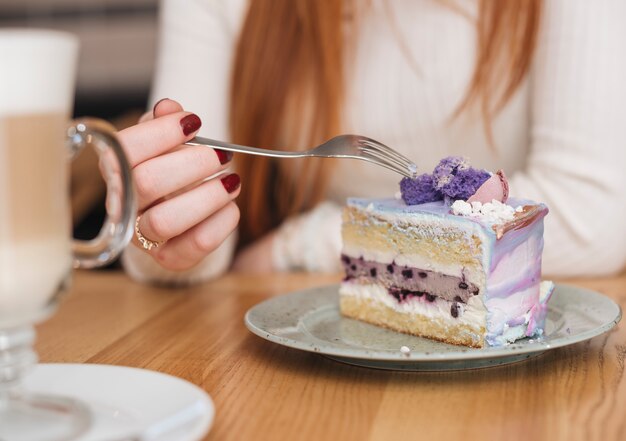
x=118 y=47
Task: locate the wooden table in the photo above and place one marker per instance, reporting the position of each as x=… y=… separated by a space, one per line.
x=264 y=391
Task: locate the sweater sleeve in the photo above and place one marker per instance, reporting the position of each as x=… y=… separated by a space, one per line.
x=310 y=241
x=578 y=129
x=196 y=45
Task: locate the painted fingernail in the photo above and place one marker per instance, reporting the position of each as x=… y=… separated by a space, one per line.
x=231 y=182
x=156 y=105
x=190 y=124
x=224 y=156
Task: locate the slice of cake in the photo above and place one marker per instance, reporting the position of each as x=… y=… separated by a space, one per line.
x=454 y=259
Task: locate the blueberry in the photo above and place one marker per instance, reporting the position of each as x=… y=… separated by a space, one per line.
x=395 y=292
x=345 y=259
x=390 y=269
x=454 y=310
x=422 y=274
x=430 y=297
x=373 y=272
x=475 y=291
x=458 y=299
x=353 y=267
x=463 y=285
x=407 y=273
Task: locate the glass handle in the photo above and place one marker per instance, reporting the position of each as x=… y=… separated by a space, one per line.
x=121 y=204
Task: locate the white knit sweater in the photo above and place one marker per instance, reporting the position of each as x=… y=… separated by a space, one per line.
x=561 y=139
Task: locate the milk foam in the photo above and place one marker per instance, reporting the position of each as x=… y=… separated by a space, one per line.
x=38 y=71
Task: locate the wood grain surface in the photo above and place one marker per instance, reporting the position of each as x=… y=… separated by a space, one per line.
x=264 y=391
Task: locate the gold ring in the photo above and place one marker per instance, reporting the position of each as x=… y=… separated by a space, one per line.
x=146 y=243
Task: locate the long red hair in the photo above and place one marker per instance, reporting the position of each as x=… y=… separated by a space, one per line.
x=288 y=84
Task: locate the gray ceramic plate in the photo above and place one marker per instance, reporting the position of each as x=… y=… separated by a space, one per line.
x=309 y=320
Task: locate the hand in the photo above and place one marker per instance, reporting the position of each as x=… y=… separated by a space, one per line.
x=257 y=257
x=191 y=217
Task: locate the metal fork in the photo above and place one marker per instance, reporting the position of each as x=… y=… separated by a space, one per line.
x=343 y=146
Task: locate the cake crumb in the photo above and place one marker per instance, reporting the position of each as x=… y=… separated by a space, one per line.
x=405 y=350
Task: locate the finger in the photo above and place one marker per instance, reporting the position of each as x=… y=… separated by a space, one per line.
x=175 y=216
x=146 y=117
x=166 y=106
x=168 y=173
x=155 y=137
x=188 y=249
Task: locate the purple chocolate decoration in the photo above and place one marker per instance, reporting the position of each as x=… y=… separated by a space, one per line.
x=464 y=183
x=419 y=190
x=447 y=169
x=452 y=179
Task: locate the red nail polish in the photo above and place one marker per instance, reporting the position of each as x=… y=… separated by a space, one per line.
x=224 y=156
x=190 y=124
x=231 y=182
x=156 y=105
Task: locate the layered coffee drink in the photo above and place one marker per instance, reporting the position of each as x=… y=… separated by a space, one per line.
x=35 y=255
x=37 y=252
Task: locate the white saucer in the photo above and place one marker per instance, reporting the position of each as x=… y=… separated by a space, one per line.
x=128 y=403
x=309 y=320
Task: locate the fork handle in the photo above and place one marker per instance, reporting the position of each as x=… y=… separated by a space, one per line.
x=221 y=145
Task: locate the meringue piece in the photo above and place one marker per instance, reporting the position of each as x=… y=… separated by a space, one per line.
x=496 y=187
x=494 y=211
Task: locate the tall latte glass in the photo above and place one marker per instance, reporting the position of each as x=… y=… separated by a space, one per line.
x=37 y=140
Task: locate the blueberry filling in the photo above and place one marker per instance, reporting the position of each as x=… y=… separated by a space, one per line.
x=413 y=280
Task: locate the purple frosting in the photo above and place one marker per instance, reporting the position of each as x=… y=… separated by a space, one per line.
x=419 y=190
x=452 y=179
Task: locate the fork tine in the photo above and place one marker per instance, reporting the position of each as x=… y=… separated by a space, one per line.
x=379 y=163
x=375 y=144
x=384 y=162
x=394 y=156
x=384 y=155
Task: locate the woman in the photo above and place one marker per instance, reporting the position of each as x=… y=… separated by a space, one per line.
x=532 y=87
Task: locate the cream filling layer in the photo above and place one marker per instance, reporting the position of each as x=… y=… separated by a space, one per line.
x=472 y=314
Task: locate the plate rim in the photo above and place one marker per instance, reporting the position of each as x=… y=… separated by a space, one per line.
x=204 y=425
x=464 y=353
